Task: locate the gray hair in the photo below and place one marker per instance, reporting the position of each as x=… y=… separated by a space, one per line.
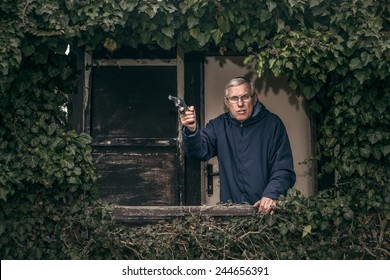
x=239 y=81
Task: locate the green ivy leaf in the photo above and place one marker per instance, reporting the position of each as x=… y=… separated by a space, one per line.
x=366 y=58
x=331 y=65
x=28 y=50
x=365 y=152
x=355 y=64
x=362 y=75
x=314 y=3
x=283 y=229
x=223 y=24
x=192 y=21
x=280 y=24
x=386 y=150
x=66 y=72
x=315 y=106
x=194 y=32
x=240 y=45
x=348 y=215
x=36 y=76
x=308 y=92
x=374 y=136
x=51 y=128
x=203 y=39
x=216 y=34
x=126 y=5
x=164 y=42
x=32 y=162
x=289 y=65
x=168 y=31
x=377 y=153
x=72 y=181
x=324 y=225
x=271 y=6
x=360 y=169
x=41 y=57
x=53 y=71
x=354 y=100
x=3 y=194
x=264 y=15
x=306 y=230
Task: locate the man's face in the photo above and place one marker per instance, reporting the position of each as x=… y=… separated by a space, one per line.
x=241 y=110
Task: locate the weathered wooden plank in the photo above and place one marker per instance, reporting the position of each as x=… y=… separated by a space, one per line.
x=134 y=142
x=128 y=176
x=134 y=62
x=129 y=214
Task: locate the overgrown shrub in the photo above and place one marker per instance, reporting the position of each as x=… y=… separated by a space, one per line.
x=335 y=53
x=301 y=228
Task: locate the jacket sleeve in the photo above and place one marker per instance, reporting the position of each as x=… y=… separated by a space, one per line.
x=201 y=144
x=282 y=174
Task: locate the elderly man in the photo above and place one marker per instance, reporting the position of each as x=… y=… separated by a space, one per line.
x=252 y=146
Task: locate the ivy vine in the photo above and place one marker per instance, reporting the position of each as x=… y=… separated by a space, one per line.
x=334 y=53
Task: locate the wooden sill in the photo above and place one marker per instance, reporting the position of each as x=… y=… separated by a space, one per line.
x=135 y=214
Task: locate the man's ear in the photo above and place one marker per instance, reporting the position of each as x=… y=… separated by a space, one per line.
x=226 y=102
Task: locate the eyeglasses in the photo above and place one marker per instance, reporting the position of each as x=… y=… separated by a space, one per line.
x=244 y=98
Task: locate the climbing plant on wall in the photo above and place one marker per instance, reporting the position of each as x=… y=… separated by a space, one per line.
x=334 y=53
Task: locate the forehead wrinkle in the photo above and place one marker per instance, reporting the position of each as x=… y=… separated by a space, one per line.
x=233 y=90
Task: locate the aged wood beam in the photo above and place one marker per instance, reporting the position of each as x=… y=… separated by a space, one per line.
x=130 y=214
x=134 y=62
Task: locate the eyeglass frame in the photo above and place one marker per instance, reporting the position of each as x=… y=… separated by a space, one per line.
x=240 y=97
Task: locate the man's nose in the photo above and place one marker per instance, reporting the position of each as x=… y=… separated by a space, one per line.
x=240 y=102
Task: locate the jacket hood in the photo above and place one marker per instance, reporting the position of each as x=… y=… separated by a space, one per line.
x=259 y=112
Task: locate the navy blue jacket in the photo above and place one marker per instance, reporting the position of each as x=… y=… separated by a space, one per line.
x=254 y=157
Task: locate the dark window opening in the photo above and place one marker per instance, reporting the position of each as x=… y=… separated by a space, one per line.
x=131 y=102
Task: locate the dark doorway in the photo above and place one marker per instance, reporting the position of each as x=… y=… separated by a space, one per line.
x=123 y=104
x=135 y=134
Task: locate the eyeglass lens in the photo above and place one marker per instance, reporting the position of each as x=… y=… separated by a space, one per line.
x=243 y=98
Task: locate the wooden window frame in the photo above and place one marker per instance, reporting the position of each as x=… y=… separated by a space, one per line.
x=191 y=196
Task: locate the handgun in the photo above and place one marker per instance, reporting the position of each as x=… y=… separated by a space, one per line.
x=179 y=103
